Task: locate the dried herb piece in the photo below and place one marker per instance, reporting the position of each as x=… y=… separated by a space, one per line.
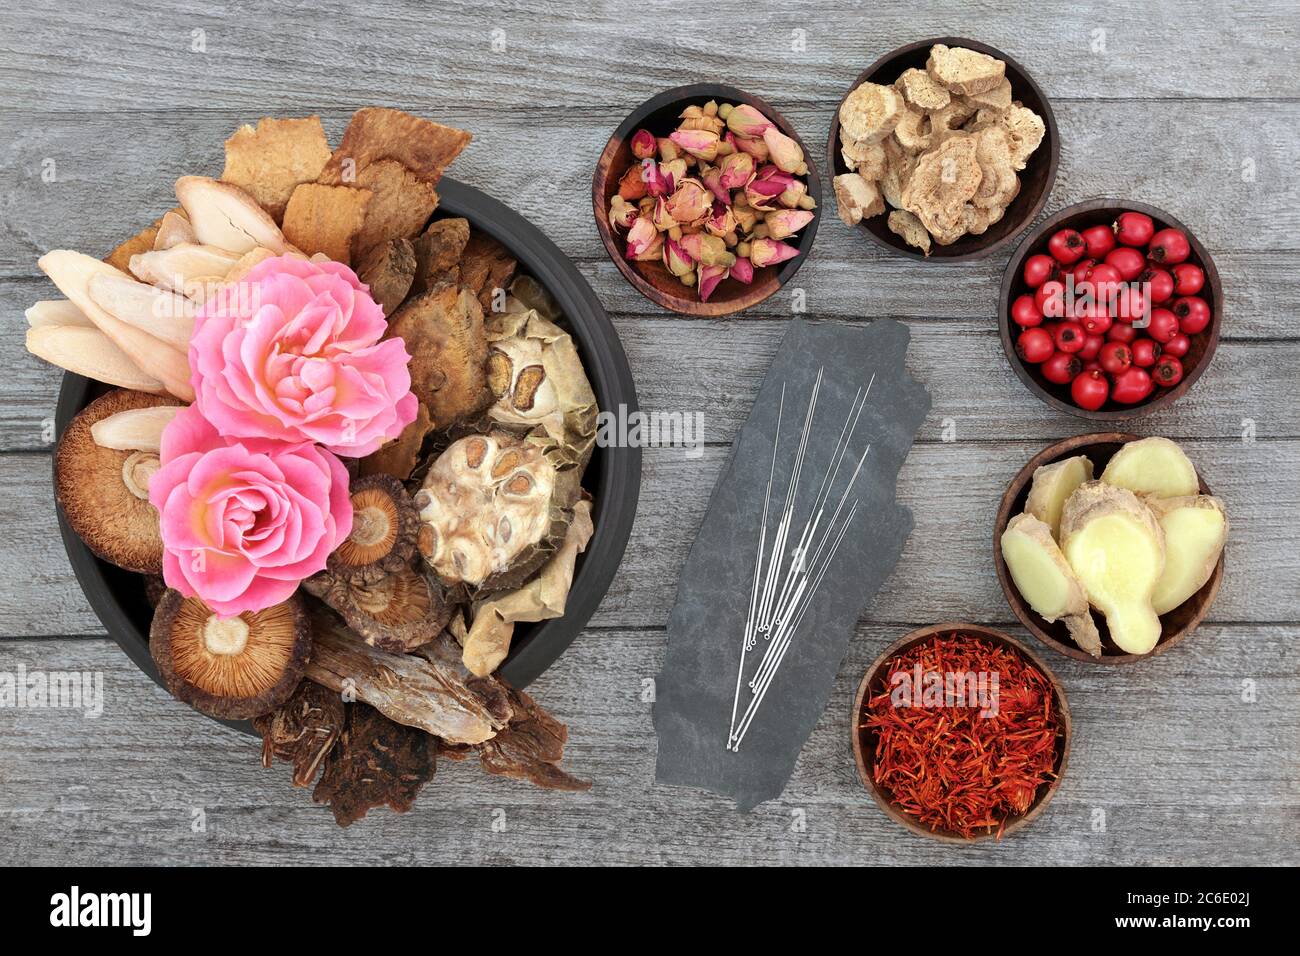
x=443 y=331
x=388 y=269
x=485 y=267
x=325 y=219
x=376 y=763
x=384 y=528
x=398 y=209
x=120 y=257
x=397 y=611
x=375 y=133
x=270 y=161
x=531 y=748
x=437 y=253
x=302 y=730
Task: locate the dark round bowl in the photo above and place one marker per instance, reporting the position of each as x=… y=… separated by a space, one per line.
x=1175 y=625
x=613 y=476
x=660 y=115
x=1081 y=216
x=864 y=741
x=1036 y=178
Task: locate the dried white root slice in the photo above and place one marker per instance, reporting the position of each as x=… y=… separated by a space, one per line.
x=164 y=315
x=856 y=199
x=84 y=350
x=1045 y=579
x=227 y=217
x=174 y=229
x=72 y=272
x=1051 y=485
x=185 y=268
x=56 y=312
x=1195 y=529
x=1152 y=466
x=1117 y=550
x=136 y=429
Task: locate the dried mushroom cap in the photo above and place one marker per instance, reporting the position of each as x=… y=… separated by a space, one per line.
x=384 y=528
x=104 y=492
x=376 y=763
x=302 y=730
x=538 y=380
x=236 y=667
x=398 y=612
x=494 y=507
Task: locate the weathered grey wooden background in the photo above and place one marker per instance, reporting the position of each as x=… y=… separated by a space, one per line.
x=1190 y=757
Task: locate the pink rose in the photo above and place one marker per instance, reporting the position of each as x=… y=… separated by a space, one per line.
x=293 y=353
x=244 y=522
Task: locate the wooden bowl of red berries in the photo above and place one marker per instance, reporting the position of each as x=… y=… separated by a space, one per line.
x=1110 y=310
x=960 y=733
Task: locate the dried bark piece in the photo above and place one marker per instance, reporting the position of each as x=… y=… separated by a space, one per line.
x=422 y=146
x=432 y=695
x=443 y=331
x=485 y=267
x=531 y=748
x=401 y=205
x=388 y=268
x=376 y=763
x=270 y=161
x=325 y=219
x=437 y=252
x=142 y=241
x=302 y=731
x=400 y=456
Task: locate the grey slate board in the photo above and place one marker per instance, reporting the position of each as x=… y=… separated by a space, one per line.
x=695 y=689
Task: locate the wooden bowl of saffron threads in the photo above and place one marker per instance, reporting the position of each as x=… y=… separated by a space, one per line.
x=960 y=733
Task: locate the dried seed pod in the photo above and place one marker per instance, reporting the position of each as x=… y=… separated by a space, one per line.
x=398 y=612
x=104 y=492
x=495 y=507
x=235 y=667
x=302 y=731
x=384 y=528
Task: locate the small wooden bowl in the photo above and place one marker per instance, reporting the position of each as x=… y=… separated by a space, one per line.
x=864 y=741
x=1177 y=624
x=1081 y=216
x=1036 y=178
x=660 y=115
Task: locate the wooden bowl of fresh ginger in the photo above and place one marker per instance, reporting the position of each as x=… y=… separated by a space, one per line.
x=1109 y=547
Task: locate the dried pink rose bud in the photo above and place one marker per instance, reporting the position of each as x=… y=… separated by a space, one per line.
x=621 y=212
x=769 y=252
x=677 y=259
x=690 y=201
x=712 y=179
x=710 y=277
x=707 y=250
x=785 y=152
x=743 y=271
x=721 y=221
x=661 y=217
x=640 y=236
x=657 y=180
x=744 y=120
x=737 y=170
x=644 y=144
x=793 y=194
x=754 y=146
x=700 y=143
x=764 y=193
x=786 y=222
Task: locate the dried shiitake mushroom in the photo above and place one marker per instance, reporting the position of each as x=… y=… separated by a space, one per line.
x=397 y=612
x=104 y=492
x=494 y=508
x=384 y=528
x=236 y=667
x=302 y=730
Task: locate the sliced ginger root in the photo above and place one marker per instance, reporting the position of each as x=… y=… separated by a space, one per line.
x=1052 y=484
x=1152 y=466
x=1195 y=528
x=1117 y=550
x=1045 y=579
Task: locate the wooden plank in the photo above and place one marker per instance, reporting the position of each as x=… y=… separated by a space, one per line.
x=952 y=489
x=540 y=55
x=1192 y=776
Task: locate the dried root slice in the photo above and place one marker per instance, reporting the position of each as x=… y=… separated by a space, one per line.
x=1052 y=485
x=530 y=748
x=1195 y=528
x=388 y=269
x=164 y=315
x=870 y=113
x=142 y=241
x=233 y=668
x=326 y=219
x=443 y=331
x=376 y=763
x=173 y=229
x=399 y=208
x=374 y=133
x=964 y=71
x=1117 y=551
x=187 y=269
x=72 y=272
x=50 y=312
x=905 y=224
x=486 y=267
x=384 y=529
x=135 y=429
x=437 y=254
x=302 y=731
x=1046 y=581
x=90 y=353
x=1152 y=466
x=269 y=161
x=397 y=612
x=104 y=492
x=225 y=216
